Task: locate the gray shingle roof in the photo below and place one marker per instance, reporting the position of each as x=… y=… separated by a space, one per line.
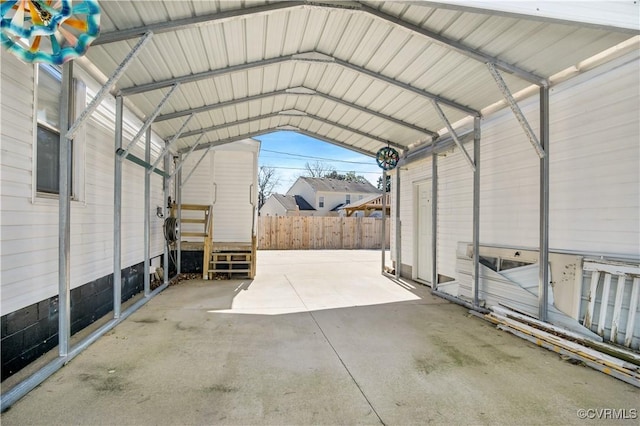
x=289 y=202
x=336 y=185
x=302 y=203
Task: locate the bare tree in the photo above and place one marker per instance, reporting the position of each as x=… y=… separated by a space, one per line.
x=268 y=179
x=317 y=169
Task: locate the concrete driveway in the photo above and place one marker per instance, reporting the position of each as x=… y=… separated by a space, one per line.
x=319 y=337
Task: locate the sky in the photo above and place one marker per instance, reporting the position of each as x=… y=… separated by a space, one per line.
x=287 y=152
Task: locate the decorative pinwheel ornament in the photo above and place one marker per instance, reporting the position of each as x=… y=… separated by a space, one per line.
x=51 y=31
x=387 y=158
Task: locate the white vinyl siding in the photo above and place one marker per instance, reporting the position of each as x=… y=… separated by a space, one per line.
x=455 y=208
x=29 y=247
x=235 y=174
x=417 y=171
x=303 y=189
x=594 y=174
x=273 y=207
x=226 y=178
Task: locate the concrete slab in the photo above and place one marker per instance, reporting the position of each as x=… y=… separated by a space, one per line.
x=319 y=337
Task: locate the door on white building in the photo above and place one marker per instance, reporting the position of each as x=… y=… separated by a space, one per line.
x=422 y=243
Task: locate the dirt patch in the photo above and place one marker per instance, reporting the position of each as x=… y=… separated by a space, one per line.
x=146 y=321
x=218 y=388
x=104 y=383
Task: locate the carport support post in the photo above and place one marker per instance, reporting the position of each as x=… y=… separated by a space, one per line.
x=384 y=217
x=398 y=236
x=179 y=201
x=543 y=290
x=476 y=211
x=147 y=211
x=165 y=210
x=434 y=220
x=117 y=213
x=64 y=224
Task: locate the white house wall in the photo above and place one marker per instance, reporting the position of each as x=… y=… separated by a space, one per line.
x=303 y=189
x=410 y=175
x=455 y=208
x=594 y=177
x=226 y=178
x=272 y=207
x=30 y=227
x=236 y=196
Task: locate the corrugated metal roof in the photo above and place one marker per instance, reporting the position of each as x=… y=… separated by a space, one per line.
x=381 y=64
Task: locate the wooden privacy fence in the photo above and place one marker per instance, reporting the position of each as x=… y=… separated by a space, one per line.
x=304 y=233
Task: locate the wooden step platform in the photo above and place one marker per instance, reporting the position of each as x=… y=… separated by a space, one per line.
x=232 y=259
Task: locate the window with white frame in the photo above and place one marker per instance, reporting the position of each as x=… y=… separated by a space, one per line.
x=47 y=149
x=347 y=199
x=321 y=202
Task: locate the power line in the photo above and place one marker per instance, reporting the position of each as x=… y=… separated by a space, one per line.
x=303 y=168
x=314 y=158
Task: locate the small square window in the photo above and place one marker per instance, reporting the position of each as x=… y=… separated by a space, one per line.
x=47 y=144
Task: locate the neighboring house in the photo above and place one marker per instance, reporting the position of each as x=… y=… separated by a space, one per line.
x=328 y=195
x=286 y=205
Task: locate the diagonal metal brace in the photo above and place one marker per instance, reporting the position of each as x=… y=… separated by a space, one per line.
x=184 y=182
x=193 y=148
x=516 y=110
x=149 y=121
x=171 y=142
x=104 y=90
x=454 y=136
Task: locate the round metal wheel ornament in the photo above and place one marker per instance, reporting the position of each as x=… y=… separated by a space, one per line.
x=48 y=31
x=387 y=158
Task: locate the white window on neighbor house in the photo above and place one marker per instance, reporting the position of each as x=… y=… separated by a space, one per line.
x=320 y=202
x=347 y=199
x=47 y=144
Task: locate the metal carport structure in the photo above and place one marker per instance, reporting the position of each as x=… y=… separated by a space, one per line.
x=361 y=75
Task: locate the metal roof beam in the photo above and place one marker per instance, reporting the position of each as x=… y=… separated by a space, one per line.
x=211 y=107
x=408 y=87
x=190 y=78
x=292 y=91
x=294 y=113
x=179 y=24
x=285 y=128
x=358 y=132
x=314 y=57
x=459 y=47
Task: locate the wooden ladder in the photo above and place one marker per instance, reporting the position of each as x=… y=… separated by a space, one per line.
x=206 y=235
